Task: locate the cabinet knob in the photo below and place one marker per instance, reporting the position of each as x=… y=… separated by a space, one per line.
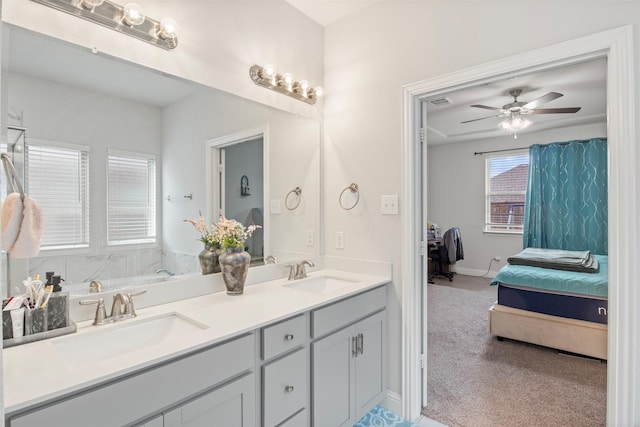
x=288 y=389
x=288 y=337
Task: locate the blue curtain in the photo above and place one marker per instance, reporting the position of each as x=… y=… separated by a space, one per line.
x=566 y=202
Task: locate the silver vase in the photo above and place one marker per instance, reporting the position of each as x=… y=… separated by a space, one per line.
x=209 y=259
x=234 y=263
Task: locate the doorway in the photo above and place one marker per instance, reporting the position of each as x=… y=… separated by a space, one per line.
x=237 y=185
x=616 y=46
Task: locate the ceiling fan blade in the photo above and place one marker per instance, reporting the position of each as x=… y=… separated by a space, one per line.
x=542 y=100
x=486 y=107
x=555 y=110
x=482 y=118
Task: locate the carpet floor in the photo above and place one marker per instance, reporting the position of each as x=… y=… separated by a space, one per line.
x=476 y=380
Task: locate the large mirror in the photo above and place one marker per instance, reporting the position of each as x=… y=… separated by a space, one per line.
x=144 y=156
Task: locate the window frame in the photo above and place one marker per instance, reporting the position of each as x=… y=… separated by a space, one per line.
x=84 y=190
x=496 y=228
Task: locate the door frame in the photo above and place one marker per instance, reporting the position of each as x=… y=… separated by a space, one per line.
x=617 y=46
x=213 y=148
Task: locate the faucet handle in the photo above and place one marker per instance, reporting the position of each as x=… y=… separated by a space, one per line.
x=129 y=309
x=101 y=312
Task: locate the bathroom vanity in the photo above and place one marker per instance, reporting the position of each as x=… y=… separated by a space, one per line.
x=286 y=353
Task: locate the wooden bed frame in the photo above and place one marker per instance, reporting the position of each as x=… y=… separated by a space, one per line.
x=575 y=336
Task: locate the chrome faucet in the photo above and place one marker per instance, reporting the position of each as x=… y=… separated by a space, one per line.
x=121 y=309
x=270 y=259
x=120 y=301
x=301 y=271
x=164 y=270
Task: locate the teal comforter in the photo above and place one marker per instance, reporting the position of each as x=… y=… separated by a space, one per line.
x=557 y=280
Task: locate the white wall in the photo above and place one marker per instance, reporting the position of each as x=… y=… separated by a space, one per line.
x=292 y=148
x=218 y=41
x=456 y=192
x=370 y=56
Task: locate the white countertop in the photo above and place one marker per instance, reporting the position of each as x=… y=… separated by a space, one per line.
x=35 y=373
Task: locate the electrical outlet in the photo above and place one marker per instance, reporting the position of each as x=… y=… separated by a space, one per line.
x=389 y=205
x=497 y=258
x=339 y=240
x=309 y=237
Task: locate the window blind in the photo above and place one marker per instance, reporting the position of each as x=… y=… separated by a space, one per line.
x=131 y=198
x=57 y=178
x=505 y=192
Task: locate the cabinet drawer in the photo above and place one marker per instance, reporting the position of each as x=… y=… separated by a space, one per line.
x=284 y=387
x=283 y=336
x=346 y=312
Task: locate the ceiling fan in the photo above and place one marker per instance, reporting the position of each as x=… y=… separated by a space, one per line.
x=519 y=108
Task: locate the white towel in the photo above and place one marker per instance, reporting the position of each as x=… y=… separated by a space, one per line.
x=27 y=244
x=11 y=219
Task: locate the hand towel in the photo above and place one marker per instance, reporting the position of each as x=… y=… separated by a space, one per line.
x=27 y=244
x=12 y=212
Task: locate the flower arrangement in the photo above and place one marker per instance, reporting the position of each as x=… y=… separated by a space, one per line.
x=231 y=234
x=226 y=233
x=207 y=235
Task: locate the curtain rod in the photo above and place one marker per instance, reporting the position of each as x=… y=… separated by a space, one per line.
x=499 y=151
x=526 y=148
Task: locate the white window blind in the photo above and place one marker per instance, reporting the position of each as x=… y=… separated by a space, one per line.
x=131 y=198
x=57 y=178
x=506 y=186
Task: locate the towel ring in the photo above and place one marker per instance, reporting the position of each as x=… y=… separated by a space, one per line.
x=354 y=189
x=292 y=206
x=12 y=175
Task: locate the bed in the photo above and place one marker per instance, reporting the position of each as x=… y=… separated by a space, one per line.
x=565 y=310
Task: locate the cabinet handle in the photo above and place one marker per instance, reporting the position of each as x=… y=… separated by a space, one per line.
x=360 y=343
x=354 y=347
x=288 y=337
x=288 y=389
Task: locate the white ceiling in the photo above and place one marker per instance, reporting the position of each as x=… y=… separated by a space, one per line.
x=326 y=12
x=583 y=85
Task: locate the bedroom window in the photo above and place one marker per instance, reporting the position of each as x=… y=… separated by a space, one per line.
x=65 y=211
x=505 y=191
x=131 y=198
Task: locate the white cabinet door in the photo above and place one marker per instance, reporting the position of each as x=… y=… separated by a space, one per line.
x=333 y=374
x=232 y=405
x=371 y=364
x=349 y=372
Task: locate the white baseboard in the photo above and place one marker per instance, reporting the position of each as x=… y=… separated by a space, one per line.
x=475 y=272
x=393 y=402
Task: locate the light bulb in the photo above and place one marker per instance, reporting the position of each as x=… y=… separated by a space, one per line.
x=304 y=85
x=268 y=71
x=132 y=14
x=318 y=91
x=287 y=79
x=90 y=4
x=168 y=29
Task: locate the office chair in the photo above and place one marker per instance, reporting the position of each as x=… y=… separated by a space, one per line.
x=438 y=255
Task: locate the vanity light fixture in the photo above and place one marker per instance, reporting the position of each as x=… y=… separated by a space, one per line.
x=128 y=19
x=284 y=83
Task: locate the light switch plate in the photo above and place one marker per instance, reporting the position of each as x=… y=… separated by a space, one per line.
x=339 y=240
x=389 y=205
x=310 y=239
x=275 y=206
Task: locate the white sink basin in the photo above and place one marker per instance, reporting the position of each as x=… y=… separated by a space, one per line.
x=320 y=284
x=126 y=336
